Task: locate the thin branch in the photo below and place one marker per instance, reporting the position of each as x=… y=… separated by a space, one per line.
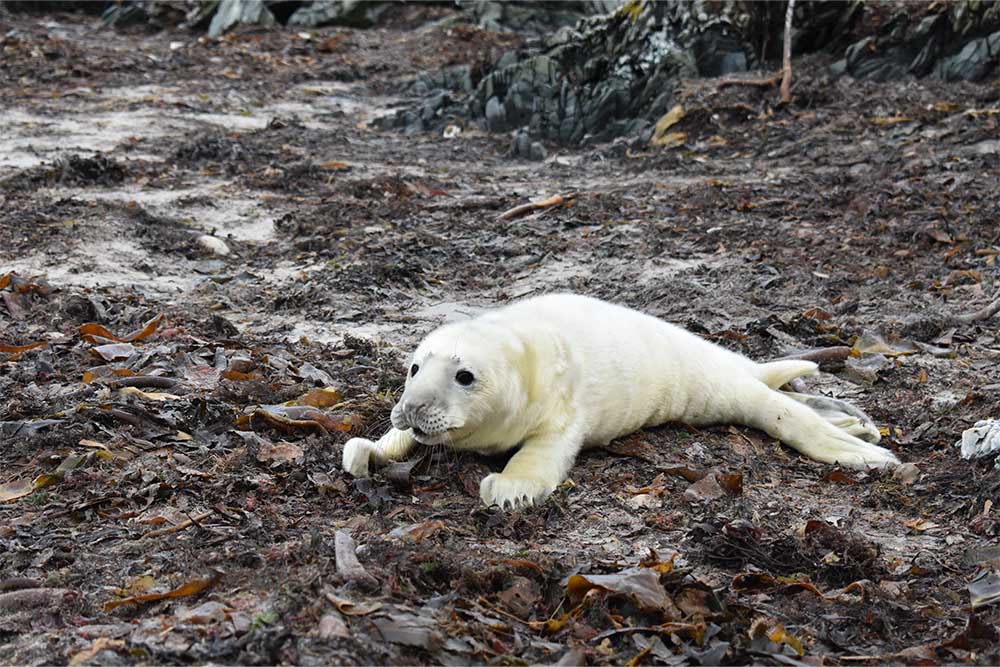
x=822 y=355
x=524 y=209
x=177 y=527
x=983 y=313
x=786 y=72
x=754 y=83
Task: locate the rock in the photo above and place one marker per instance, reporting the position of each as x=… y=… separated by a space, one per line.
x=351 y=13
x=231 y=12
x=614 y=74
x=241 y=362
x=332 y=625
x=644 y=500
x=975 y=62
x=907 y=473
x=496 y=116
x=213 y=244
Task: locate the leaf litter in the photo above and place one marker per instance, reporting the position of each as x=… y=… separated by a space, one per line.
x=151 y=436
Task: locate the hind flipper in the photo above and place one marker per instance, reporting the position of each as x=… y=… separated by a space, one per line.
x=841 y=414
x=801 y=428
x=776 y=374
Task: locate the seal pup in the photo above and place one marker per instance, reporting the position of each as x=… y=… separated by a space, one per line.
x=557 y=373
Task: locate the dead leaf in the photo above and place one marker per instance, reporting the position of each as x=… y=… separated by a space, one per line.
x=332 y=625
x=940 y=235
x=671 y=140
x=280 y=453
x=99 y=645
x=417 y=531
x=920 y=525
x=946 y=107
x=190 y=588
x=839 y=477
x=335 y=165
x=148 y=395
x=870 y=343
x=15 y=351
x=688 y=473
x=906 y=473
x=732 y=483
x=666 y=121
x=16 y=489
x=102 y=372
x=634 y=447
x=206 y=613
x=239 y=376
x=817 y=314
x=91 y=331
x=641 y=584
x=707 y=488
x=779 y=635
x=319 y=398
x=408 y=629
x=114 y=351
x=520 y=597
x=350 y=608
x=984 y=589
x=891 y=120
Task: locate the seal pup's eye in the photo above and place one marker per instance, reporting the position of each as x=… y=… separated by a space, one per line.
x=413 y=370
x=465 y=378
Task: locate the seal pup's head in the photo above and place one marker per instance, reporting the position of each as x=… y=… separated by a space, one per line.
x=459 y=383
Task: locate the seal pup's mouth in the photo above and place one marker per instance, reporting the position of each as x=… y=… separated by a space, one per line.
x=425 y=438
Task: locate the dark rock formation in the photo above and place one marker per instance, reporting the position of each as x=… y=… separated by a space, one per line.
x=615 y=74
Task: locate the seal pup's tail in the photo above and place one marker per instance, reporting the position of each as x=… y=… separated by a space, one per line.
x=776 y=374
x=797 y=425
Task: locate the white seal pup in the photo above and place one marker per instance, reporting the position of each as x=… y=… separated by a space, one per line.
x=557 y=373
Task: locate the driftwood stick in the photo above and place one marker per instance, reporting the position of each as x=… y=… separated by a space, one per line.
x=348 y=565
x=983 y=313
x=822 y=355
x=177 y=527
x=784 y=77
x=523 y=209
x=754 y=83
x=786 y=71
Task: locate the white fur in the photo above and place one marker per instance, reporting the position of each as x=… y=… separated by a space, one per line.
x=558 y=373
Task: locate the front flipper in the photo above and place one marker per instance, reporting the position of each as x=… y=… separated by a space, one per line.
x=532 y=474
x=392 y=446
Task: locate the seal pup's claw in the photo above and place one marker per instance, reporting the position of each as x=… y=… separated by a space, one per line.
x=512 y=493
x=870 y=456
x=357 y=451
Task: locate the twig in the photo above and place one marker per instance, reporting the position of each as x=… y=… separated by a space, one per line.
x=523 y=209
x=145 y=381
x=822 y=355
x=348 y=565
x=665 y=629
x=983 y=313
x=785 y=76
x=786 y=70
x=755 y=83
x=177 y=527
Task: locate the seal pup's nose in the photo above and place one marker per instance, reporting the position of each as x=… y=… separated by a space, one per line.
x=413 y=408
